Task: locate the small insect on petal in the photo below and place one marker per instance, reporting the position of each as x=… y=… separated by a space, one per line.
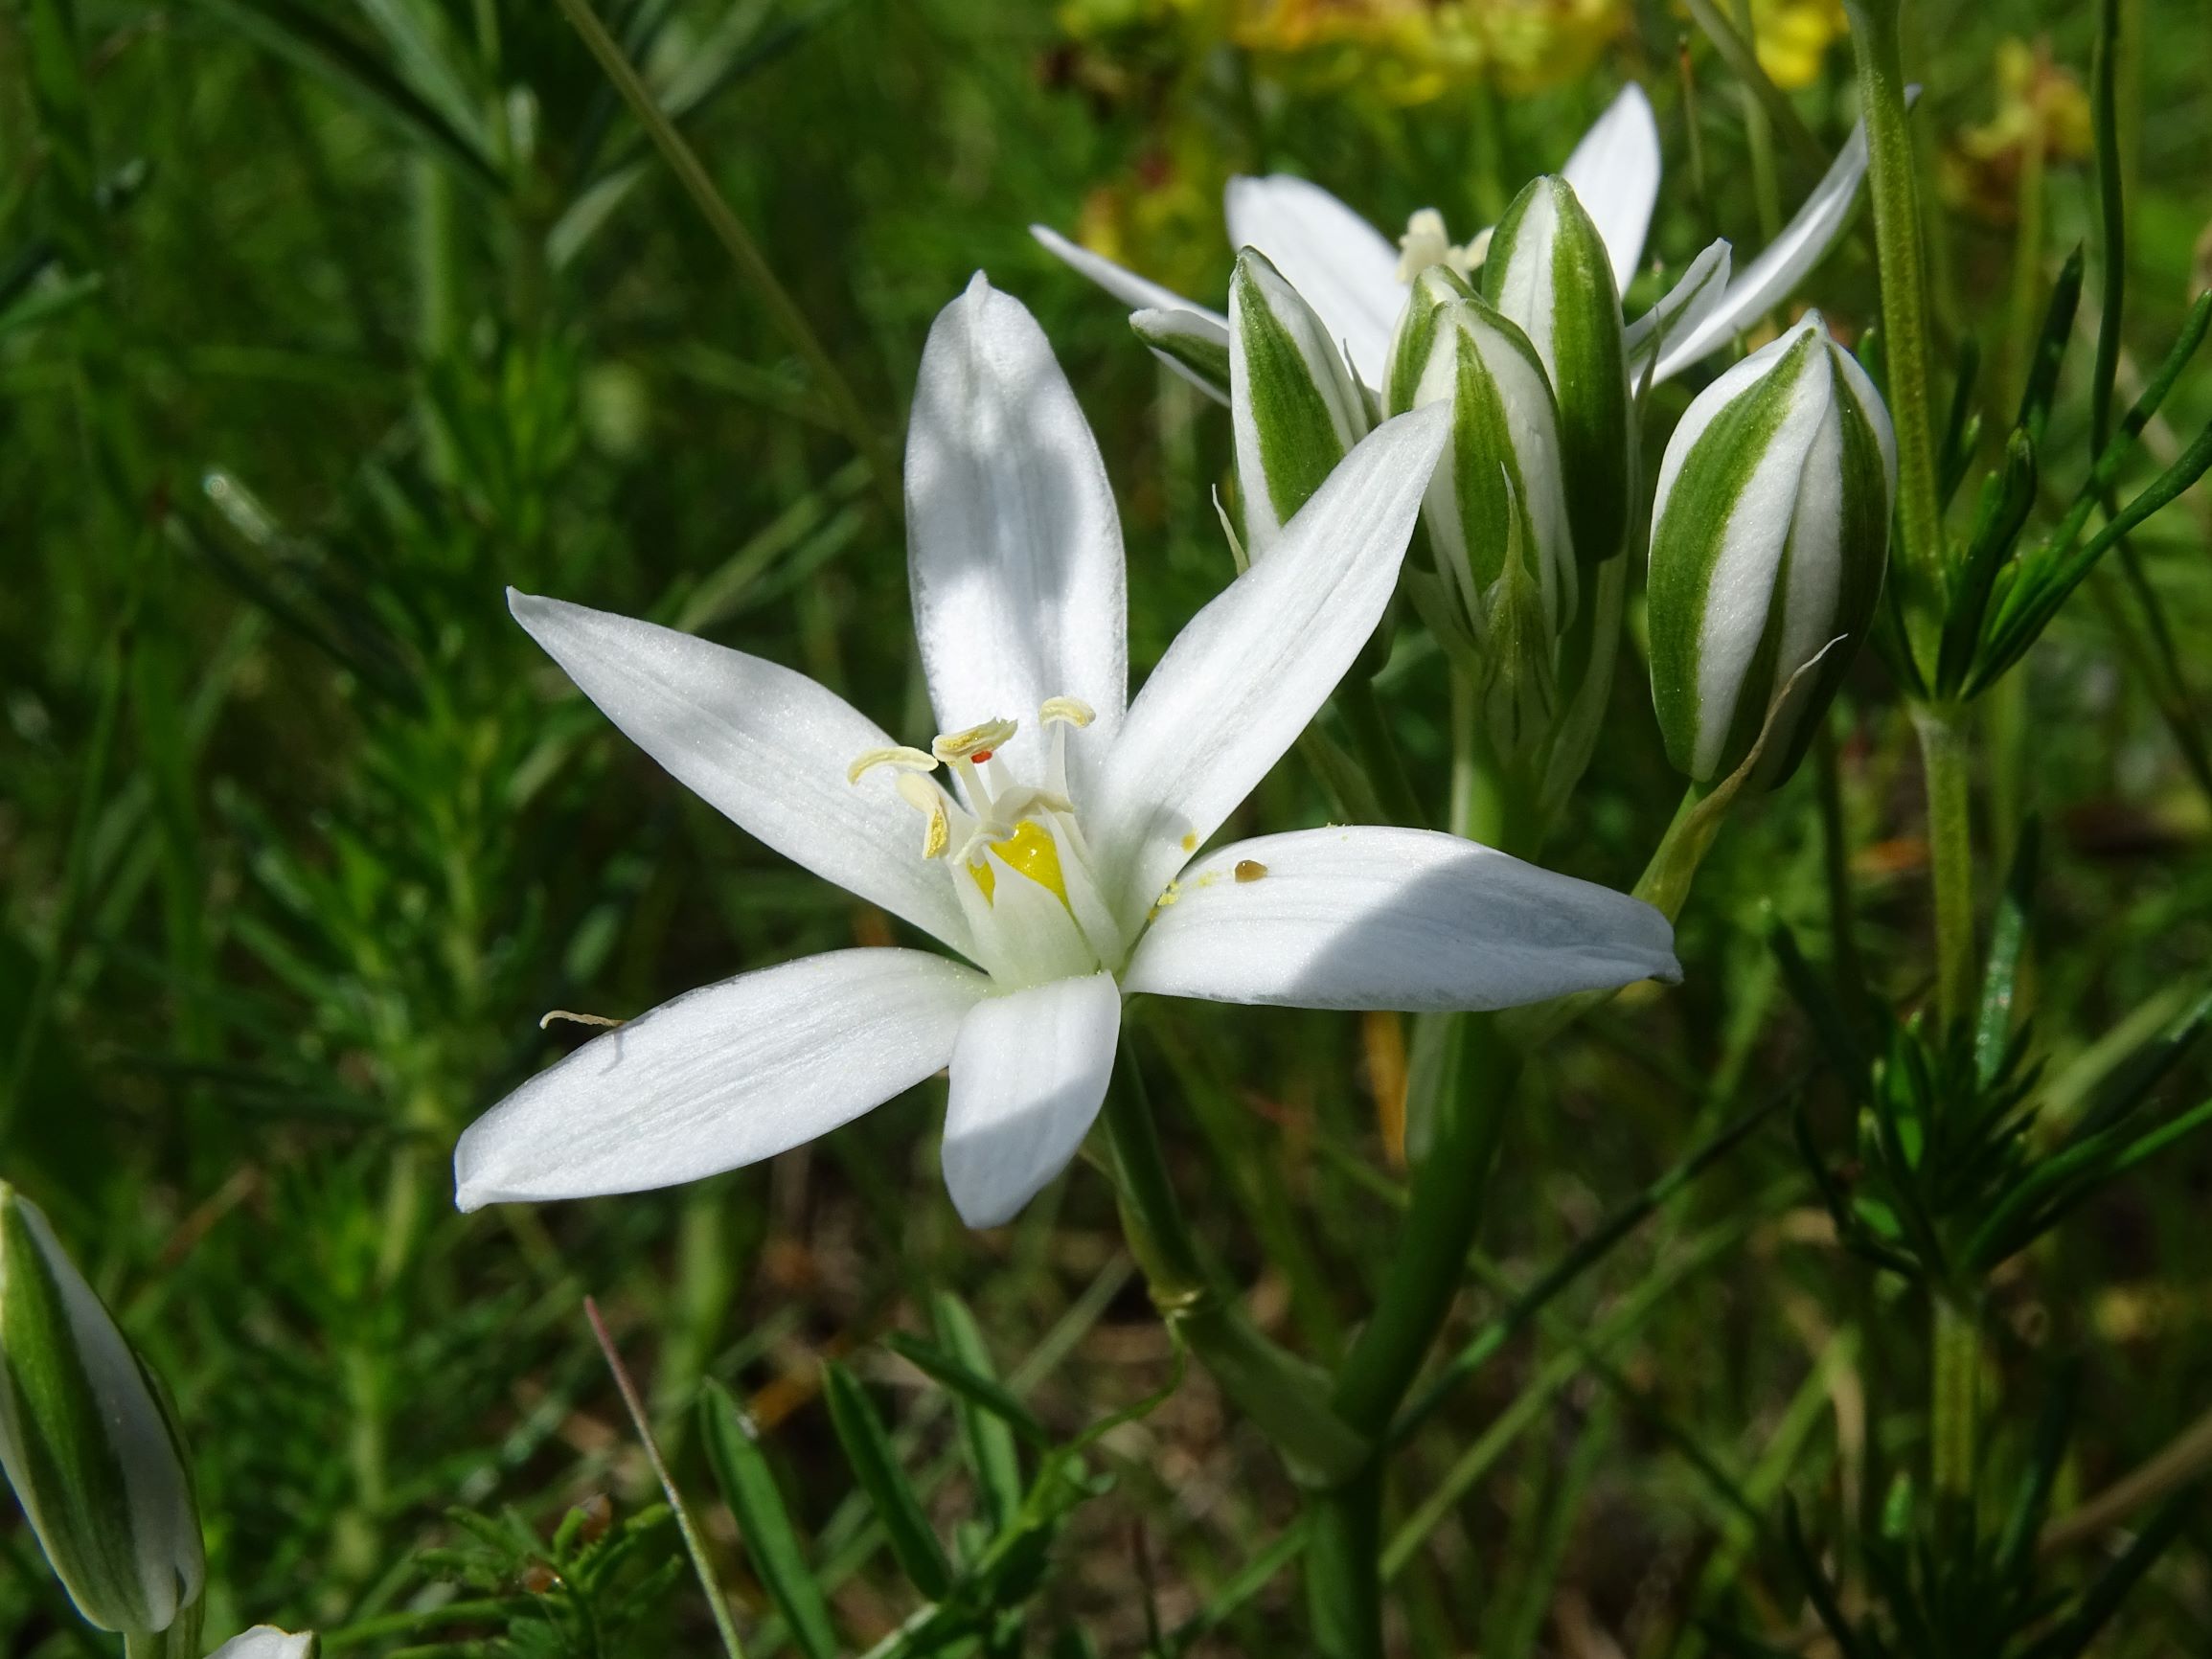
x=1250 y=870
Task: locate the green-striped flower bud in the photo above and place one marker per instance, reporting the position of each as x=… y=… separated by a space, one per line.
x=86 y=1442
x=1769 y=533
x=1195 y=346
x=1295 y=406
x=268 y=1642
x=1548 y=270
x=1496 y=516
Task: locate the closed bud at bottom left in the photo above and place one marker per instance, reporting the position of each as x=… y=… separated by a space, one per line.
x=86 y=1441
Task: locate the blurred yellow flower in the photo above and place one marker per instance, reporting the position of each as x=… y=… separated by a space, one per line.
x=2039 y=101
x=2041 y=115
x=1164 y=217
x=1793 y=37
x=1400 y=51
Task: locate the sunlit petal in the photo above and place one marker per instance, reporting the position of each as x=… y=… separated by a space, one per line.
x=720 y=1077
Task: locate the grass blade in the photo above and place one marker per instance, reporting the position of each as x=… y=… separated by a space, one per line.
x=876 y=1467
x=749 y=1487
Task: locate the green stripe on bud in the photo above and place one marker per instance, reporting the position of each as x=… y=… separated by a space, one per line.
x=1196 y=347
x=1294 y=403
x=87 y=1442
x=1500 y=501
x=1548 y=270
x=1496 y=516
x=1771 y=532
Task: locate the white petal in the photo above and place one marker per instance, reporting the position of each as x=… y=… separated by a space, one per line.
x=1392 y=918
x=1028 y=1076
x=1243 y=679
x=1346 y=268
x=1804 y=243
x=267 y=1642
x=1014 y=546
x=1615 y=173
x=1696 y=294
x=1139 y=293
x=721 y=1077
x=1712 y=400
x=763 y=745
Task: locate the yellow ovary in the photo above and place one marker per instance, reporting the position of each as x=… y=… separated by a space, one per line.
x=1031 y=850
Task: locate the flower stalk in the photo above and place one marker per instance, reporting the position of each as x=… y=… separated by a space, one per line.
x=1898 y=246
x=1950 y=856
x=1276 y=1391
x=1954 y=1388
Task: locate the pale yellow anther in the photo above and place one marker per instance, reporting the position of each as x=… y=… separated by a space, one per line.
x=926 y=797
x=1073 y=710
x=975 y=744
x=1426 y=242
x=897 y=755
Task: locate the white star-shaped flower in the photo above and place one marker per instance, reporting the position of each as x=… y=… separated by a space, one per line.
x=1049 y=836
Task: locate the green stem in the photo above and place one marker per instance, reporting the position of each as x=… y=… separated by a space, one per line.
x=1955 y=1364
x=752 y=264
x=1950 y=856
x=1281 y=1395
x=1897 y=236
x=1443 y=1210
x=1344 y=1592
x=1344 y=1568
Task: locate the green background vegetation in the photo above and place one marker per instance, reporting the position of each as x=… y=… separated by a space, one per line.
x=322 y=323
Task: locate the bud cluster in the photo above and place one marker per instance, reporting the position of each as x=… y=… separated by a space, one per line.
x=1769 y=521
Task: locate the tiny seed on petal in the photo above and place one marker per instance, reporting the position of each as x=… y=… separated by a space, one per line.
x=1250 y=870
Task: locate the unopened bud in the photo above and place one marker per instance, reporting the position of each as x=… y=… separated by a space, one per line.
x=1293 y=400
x=1496 y=515
x=86 y=1442
x=268 y=1642
x=1771 y=532
x=1548 y=270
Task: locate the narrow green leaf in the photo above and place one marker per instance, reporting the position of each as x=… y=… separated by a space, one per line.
x=749 y=1487
x=2043 y=381
x=1962 y=426
x=2008 y=938
x=309 y=41
x=1844 y=1051
x=989 y=1429
x=876 y=1467
x=2103 y=1597
x=2112 y=216
x=2007 y=498
x=2047 y=1456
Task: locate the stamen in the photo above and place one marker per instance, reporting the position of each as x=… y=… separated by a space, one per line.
x=1074 y=710
x=927 y=798
x=975 y=744
x=1426 y=242
x=897 y=755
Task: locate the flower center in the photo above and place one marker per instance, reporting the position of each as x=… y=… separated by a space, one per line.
x=1426 y=242
x=999 y=827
